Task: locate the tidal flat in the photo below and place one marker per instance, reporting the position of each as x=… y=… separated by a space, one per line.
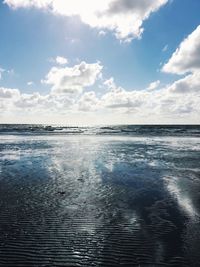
x=107 y=200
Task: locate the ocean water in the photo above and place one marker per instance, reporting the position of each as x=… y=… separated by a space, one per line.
x=100 y=196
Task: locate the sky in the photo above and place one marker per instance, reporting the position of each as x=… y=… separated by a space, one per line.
x=89 y=62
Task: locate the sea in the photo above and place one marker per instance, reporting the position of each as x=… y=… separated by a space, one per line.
x=124 y=195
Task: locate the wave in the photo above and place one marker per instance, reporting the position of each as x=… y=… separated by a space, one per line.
x=130 y=130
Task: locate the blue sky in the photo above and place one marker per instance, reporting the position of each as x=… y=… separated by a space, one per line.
x=34 y=35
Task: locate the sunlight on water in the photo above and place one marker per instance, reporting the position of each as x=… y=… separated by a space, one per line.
x=181 y=196
x=98 y=199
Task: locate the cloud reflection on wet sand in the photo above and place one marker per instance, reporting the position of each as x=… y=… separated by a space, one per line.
x=99 y=201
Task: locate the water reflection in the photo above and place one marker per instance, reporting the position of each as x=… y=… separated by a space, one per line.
x=99 y=201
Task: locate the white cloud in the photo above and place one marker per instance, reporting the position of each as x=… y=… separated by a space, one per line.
x=37 y=103
x=9 y=72
x=173 y=103
x=9 y=93
x=165 y=48
x=88 y=102
x=102 y=33
x=186 y=58
x=190 y=83
x=28 y=100
x=1 y=71
x=7 y=97
x=124 y=17
x=183 y=97
x=72 y=80
x=28 y=3
x=169 y=104
x=61 y=60
x=153 y=85
x=110 y=83
x=178 y=102
x=120 y=98
x=30 y=83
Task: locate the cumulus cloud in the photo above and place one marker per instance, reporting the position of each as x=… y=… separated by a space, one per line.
x=124 y=17
x=61 y=60
x=9 y=93
x=7 y=97
x=190 y=83
x=28 y=3
x=120 y=98
x=110 y=83
x=176 y=101
x=88 y=102
x=186 y=58
x=28 y=100
x=170 y=103
x=153 y=85
x=72 y=80
x=37 y=103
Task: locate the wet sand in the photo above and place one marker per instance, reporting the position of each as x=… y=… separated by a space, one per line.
x=99 y=201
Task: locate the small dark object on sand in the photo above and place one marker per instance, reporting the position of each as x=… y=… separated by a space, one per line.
x=61 y=193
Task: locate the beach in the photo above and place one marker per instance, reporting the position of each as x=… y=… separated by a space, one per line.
x=99 y=200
